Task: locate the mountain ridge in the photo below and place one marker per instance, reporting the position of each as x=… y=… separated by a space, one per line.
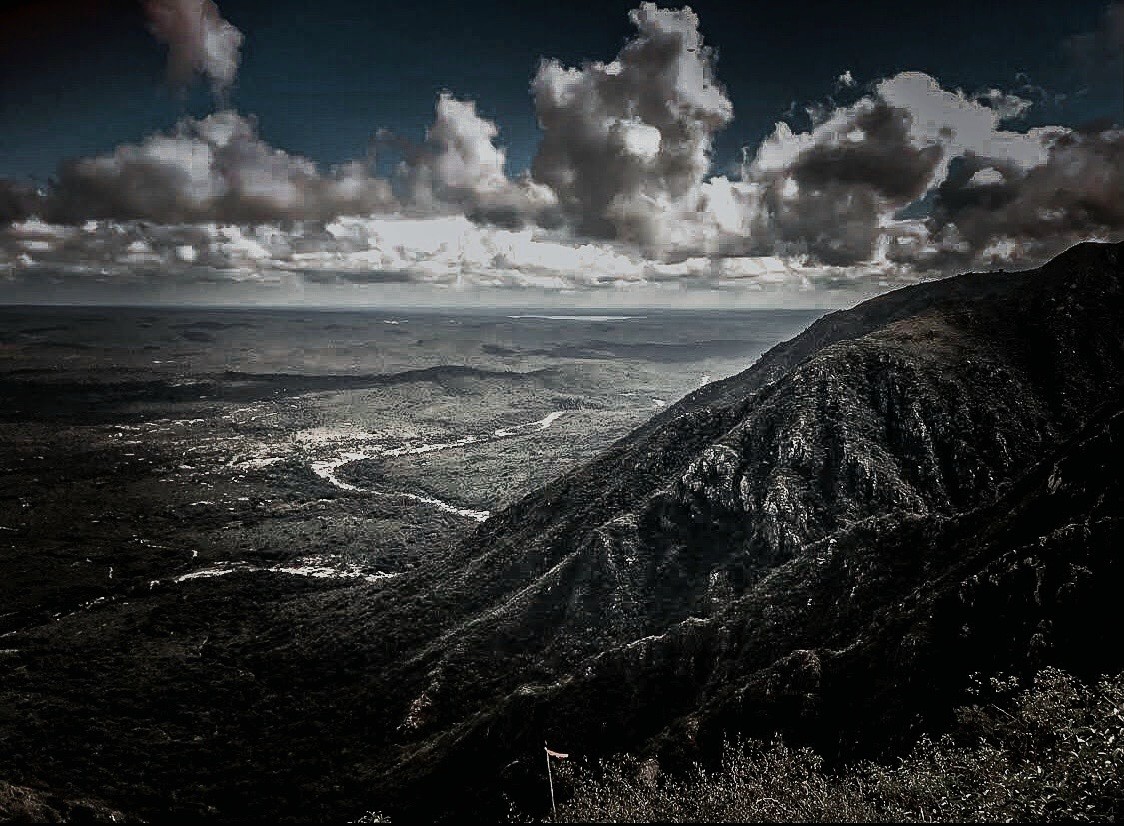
x=910 y=409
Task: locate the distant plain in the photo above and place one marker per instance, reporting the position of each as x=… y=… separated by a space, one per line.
x=140 y=446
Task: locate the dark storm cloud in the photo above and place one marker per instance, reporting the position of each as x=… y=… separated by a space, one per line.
x=17 y=201
x=826 y=194
x=828 y=203
x=987 y=211
x=833 y=193
x=836 y=224
x=873 y=151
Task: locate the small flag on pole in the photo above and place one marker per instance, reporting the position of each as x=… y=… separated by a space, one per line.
x=550 y=778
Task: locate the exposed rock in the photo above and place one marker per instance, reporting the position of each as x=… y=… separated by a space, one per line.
x=19 y=804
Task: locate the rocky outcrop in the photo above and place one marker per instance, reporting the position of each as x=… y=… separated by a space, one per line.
x=19 y=804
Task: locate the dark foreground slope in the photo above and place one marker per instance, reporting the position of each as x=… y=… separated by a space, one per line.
x=829 y=545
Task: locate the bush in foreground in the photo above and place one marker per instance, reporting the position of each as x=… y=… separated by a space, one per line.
x=1057 y=753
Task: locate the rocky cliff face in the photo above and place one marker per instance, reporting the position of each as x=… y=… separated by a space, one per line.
x=826 y=544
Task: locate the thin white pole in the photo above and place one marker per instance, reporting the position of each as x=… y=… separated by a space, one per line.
x=550 y=778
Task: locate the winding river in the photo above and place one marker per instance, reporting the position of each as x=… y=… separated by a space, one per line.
x=326 y=468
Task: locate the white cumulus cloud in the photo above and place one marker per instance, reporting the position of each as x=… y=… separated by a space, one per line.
x=627 y=144
x=199 y=41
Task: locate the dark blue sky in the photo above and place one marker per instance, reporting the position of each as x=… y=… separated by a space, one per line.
x=78 y=77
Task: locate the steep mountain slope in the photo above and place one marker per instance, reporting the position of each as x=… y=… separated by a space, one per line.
x=693 y=573
x=863 y=641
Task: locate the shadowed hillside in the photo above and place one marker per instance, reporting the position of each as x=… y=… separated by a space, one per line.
x=826 y=544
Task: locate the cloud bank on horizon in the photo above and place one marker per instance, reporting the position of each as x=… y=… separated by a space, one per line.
x=907 y=181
